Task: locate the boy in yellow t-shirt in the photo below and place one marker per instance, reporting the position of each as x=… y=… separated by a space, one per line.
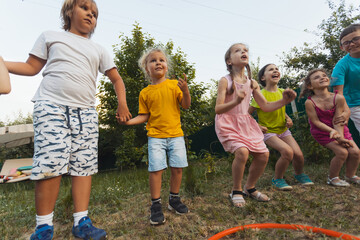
x=159 y=105
x=276 y=133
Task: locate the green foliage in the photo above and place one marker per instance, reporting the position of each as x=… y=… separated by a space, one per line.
x=326 y=53
x=127 y=54
x=127 y=155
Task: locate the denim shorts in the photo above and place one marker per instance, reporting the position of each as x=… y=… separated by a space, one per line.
x=173 y=148
x=65 y=141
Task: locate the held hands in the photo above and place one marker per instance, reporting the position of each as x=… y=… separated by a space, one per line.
x=341 y=119
x=342 y=141
x=289 y=95
x=122 y=114
x=182 y=83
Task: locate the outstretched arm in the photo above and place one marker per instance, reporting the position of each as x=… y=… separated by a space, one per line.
x=288 y=96
x=141 y=118
x=122 y=112
x=340 y=103
x=186 y=100
x=31 y=67
x=5 y=86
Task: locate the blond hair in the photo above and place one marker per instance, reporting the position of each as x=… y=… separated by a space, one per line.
x=67 y=11
x=145 y=58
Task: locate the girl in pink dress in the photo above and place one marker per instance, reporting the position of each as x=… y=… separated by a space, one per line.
x=328 y=126
x=237 y=131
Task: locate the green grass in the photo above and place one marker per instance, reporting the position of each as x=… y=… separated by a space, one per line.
x=120 y=203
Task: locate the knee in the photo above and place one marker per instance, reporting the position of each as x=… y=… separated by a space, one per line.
x=241 y=155
x=263 y=158
x=176 y=171
x=354 y=154
x=342 y=154
x=287 y=153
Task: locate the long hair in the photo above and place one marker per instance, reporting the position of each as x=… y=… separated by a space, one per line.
x=229 y=67
x=305 y=91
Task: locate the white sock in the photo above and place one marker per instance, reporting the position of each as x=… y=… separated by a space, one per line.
x=45 y=219
x=79 y=215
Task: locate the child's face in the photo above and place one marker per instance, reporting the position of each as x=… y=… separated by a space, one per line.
x=271 y=74
x=351 y=44
x=318 y=80
x=156 y=65
x=84 y=18
x=239 y=55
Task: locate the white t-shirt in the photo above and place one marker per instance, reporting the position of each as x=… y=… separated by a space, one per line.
x=73 y=62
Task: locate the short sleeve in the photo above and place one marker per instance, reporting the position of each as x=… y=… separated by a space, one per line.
x=40 y=48
x=106 y=62
x=143 y=108
x=338 y=75
x=254 y=103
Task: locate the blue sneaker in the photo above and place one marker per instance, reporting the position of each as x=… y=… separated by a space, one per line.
x=85 y=230
x=303 y=179
x=43 y=232
x=281 y=184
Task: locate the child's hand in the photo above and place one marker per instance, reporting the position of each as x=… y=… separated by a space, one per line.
x=341 y=119
x=239 y=95
x=182 y=83
x=334 y=134
x=344 y=142
x=263 y=129
x=289 y=95
x=122 y=114
x=289 y=122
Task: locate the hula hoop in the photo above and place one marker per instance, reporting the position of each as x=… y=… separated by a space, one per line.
x=284 y=226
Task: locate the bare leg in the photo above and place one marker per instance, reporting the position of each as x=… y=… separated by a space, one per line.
x=257 y=168
x=238 y=167
x=298 y=159
x=155 y=184
x=285 y=158
x=46 y=193
x=175 y=180
x=337 y=162
x=81 y=189
x=353 y=160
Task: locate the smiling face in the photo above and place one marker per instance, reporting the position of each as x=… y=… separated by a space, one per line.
x=351 y=44
x=156 y=65
x=271 y=75
x=318 y=80
x=84 y=18
x=239 y=55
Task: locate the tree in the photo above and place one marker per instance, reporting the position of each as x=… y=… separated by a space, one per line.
x=326 y=53
x=127 y=53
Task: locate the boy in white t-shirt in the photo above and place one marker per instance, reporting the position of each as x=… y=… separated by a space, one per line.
x=65 y=119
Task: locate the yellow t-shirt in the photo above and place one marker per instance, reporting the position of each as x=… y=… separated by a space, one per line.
x=275 y=120
x=162 y=102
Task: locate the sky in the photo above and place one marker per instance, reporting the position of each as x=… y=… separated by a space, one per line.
x=203 y=29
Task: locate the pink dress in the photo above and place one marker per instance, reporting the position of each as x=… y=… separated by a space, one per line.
x=236 y=128
x=326 y=116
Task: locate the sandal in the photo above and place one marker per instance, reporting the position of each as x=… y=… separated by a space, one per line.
x=260 y=197
x=355 y=180
x=340 y=183
x=237 y=198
